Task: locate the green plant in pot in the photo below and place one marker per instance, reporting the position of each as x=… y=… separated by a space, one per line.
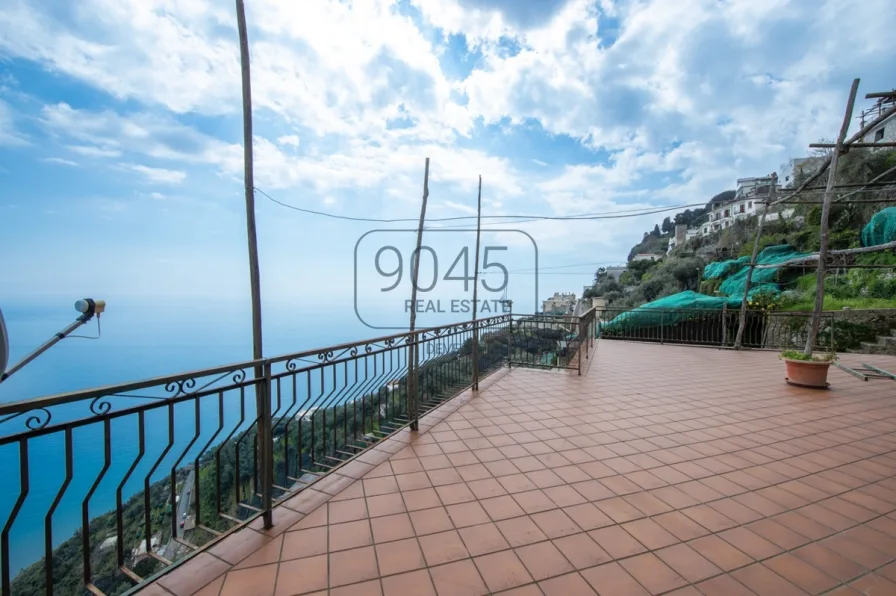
x=807 y=370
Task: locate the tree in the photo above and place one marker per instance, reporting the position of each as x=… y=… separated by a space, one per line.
x=723 y=197
x=668 y=228
x=822 y=151
x=656 y=231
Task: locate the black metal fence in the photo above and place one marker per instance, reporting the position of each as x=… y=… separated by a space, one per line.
x=763 y=329
x=156 y=469
x=552 y=341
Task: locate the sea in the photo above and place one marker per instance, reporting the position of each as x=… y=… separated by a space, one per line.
x=138 y=339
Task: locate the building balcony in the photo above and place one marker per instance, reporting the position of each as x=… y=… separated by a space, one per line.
x=661 y=469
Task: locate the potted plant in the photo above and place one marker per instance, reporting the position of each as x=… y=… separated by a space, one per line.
x=807 y=370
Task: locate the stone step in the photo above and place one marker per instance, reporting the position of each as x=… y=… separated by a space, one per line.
x=886 y=341
x=873 y=348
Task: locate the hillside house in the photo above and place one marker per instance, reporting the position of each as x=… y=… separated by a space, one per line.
x=884 y=131
x=559 y=304
x=747 y=199
x=646 y=256
x=798 y=170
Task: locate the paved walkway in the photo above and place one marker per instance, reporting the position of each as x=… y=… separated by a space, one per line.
x=663 y=470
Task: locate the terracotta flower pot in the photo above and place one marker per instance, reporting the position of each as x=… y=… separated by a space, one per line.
x=807 y=373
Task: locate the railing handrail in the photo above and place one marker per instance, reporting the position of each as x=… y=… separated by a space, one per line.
x=620 y=309
x=251 y=436
x=348 y=345
x=25 y=405
x=57 y=399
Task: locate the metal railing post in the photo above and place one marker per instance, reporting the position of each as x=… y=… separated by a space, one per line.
x=586 y=331
x=475 y=355
x=265 y=440
x=510 y=337
x=413 y=411
x=724 y=325
x=833 y=346
x=662 y=328
x=581 y=336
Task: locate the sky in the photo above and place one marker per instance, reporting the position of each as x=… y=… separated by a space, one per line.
x=121 y=134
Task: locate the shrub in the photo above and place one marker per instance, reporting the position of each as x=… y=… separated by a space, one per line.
x=797 y=355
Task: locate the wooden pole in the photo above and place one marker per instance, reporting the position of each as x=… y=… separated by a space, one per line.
x=825 y=223
x=413 y=409
x=254 y=272
x=856 y=145
x=738 y=339
x=476 y=288
x=827 y=160
x=839 y=253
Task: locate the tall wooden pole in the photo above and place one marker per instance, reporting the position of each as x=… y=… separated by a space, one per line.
x=476 y=288
x=262 y=400
x=743 y=305
x=413 y=405
x=825 y=223
x=249 y=178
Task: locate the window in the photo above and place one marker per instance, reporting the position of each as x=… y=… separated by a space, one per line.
x=879 y=134
x=727 y=212
x=750 y=205
x=741 y=207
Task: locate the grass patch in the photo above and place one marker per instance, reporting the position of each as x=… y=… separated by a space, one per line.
x=831 y=303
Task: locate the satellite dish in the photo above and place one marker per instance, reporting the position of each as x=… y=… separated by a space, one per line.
x=89 y=309
x=4 y=345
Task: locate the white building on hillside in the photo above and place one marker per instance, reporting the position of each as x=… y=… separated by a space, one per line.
x=615 y=271
x=646 y=256
x=886 y=130
x=747 y=199
x=747 y=202
x=798 y=170
x=682 y=234
x=559 y=303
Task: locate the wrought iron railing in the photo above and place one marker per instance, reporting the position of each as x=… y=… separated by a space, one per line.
x=552 y=341
x=176 y=461
x=762 y=329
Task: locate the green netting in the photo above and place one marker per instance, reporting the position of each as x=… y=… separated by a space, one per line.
x=670 y=310
x=721 y=269
x=881 y=229
x=763 y=279
x=674 y=309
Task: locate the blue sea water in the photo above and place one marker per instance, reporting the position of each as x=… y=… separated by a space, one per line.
x=140 y=339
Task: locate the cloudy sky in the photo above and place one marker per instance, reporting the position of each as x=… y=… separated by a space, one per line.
x=121 y=133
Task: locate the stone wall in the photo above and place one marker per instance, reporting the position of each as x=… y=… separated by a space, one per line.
x=859 y=330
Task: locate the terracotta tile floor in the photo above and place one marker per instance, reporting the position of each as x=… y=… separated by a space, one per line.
x=663 y=470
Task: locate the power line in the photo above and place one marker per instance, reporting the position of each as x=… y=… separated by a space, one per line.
x=520 y=218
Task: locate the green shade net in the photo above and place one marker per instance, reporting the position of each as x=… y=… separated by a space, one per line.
x=764 y=280
x=881 y=229
x=656 y=313
x=721 y=269
x=675 y=308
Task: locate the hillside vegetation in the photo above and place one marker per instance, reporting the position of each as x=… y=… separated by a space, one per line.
x=646 y=281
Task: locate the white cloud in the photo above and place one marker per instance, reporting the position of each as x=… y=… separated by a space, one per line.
x=289 y=140
x=9 y=136
x=150 y=50
x=159 y=175
x=160 y=137
x=94 y=151
x=59 y=161
x=676 y=99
